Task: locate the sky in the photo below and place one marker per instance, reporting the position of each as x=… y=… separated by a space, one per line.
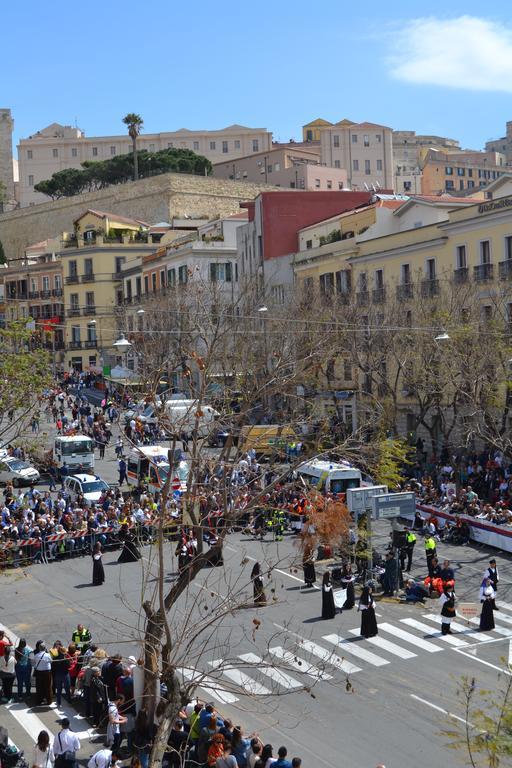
x=211 y=63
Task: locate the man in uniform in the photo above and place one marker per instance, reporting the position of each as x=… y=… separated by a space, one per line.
x=81 y=637
x=410 y=541
x=430 y=551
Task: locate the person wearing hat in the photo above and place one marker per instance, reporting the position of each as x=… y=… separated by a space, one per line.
x=492 y=574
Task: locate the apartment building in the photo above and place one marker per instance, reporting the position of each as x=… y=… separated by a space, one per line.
x=365 y=150
x=92 y=257
x=290 y=166
x=57 y=147
x=409 y=149
x=456 y=172
x=33 y=289
x=502 y=145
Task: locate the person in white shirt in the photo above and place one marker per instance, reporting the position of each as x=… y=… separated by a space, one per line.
x=65 y=746
x=103 y=758
x=42 y=755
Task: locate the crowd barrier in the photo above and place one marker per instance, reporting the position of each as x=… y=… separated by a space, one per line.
x=481 y=531
x=57 y=546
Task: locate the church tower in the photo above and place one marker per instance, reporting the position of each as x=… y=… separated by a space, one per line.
x=6 y=169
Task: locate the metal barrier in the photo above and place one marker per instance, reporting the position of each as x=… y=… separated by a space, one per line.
x=55 y=546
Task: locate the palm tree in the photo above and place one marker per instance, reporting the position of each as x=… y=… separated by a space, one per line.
x=134 y=123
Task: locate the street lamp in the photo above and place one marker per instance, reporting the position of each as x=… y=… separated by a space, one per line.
x=122 y=345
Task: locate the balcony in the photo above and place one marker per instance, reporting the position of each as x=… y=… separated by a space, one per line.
x=430 y=288
x=127 y=300
x=73 y=312
x=75 y=344
x=33 y=294
x=362 y=298
x=89 y=310
x=58 y=345
x=57 y=292
x=379 y=295
x=461 y=275
x=117 y=276
x=405 y=291
x=88 y=278
x=91 y=343
x=70 y=279
x=46 y=294
x=505 y=268
x=483 y=272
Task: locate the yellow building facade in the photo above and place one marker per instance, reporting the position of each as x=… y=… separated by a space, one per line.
x=92 y=259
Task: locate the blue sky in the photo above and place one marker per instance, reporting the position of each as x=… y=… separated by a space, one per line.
x=269 y=64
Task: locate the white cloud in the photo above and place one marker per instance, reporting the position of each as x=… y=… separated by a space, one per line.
x=466 y=52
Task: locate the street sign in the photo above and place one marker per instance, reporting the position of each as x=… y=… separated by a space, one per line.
x=468 y=610
x=393 y=504
x=357 y=498
x=176 y=484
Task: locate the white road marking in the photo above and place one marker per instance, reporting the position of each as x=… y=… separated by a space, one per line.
x=499 y=616
x=209 y=685
x=499 y=630
x=292 y=660
x=29 y=721
x=329 y=657
x=247 y=683
x=428 y=631
x=439 y=709
x=510 y=653
x=355 y=649
x=457 y=627
x=386 y=645
x=469 y=655
x=408 y=637
x=291 y=576
x=287 y=681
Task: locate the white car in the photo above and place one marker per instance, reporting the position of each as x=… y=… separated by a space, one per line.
x=17 y=472
x=91 y=487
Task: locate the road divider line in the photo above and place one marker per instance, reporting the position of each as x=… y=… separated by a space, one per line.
x=439 y=709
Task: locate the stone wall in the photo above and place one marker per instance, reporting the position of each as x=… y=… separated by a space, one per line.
x=159 y=198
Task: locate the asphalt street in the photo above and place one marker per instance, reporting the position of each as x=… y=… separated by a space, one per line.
x=313 y=685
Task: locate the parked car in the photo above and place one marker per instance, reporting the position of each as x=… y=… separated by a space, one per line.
x=91 y=487
x=17 y=471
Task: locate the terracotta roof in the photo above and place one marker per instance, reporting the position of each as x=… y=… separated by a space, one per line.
x=390 y=203
x=241 y=215
x=113 y=216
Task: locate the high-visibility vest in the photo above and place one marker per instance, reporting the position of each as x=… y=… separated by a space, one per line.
x=430 y=545
x=411 y=538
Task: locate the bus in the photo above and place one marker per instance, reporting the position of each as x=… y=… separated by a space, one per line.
x=330 y=477
x=150 y=464
x=76 y=451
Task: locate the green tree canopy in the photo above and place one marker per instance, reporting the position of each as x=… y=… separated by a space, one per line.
x=119 y=169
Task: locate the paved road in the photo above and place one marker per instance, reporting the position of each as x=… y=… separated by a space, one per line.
x=402 y=683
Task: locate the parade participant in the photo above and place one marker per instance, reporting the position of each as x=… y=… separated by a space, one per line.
x=367 y=608
x=328 y=606
x=492 y=574
x=347 y=582
x=98 y=572
x=257 y=585
x=487 y=597
x=308 y=566
x=390 y=576
x=434 y=581
x=447 y=603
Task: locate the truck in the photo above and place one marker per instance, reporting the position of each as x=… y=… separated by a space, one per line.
x=150 y=464
x=76 y=451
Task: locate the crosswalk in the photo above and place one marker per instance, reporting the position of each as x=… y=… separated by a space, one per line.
x=299 y=660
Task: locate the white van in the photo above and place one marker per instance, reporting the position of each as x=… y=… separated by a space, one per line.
x=74 y=451
x=150 y=464
x=181 y=415
x=330 y=477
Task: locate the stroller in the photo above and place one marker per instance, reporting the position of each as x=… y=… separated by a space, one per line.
x=10 y=756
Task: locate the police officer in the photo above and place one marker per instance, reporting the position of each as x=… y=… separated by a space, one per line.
x=430 y=551
x=81 y=637
x=279 y=524
x=410 y=541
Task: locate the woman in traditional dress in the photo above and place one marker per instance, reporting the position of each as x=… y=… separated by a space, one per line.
x=130 y=552
x=347 y=582
x=257 y=585
x=328 y=607
x=487 y=598
x=98 y=573
x=367 y=608
x=447 y=603
x=308 y=566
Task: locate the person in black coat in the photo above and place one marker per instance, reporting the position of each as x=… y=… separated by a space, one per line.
x=308 y=566
x=347 y=582
x=487 y=597
x=367 y=608
x=130 y=552
x=257 y=585
x=98 y=572
x=328 y=607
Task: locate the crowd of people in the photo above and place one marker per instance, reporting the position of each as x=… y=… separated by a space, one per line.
x=103 y=686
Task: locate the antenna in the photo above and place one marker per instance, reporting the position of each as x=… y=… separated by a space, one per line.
x=366 y=186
